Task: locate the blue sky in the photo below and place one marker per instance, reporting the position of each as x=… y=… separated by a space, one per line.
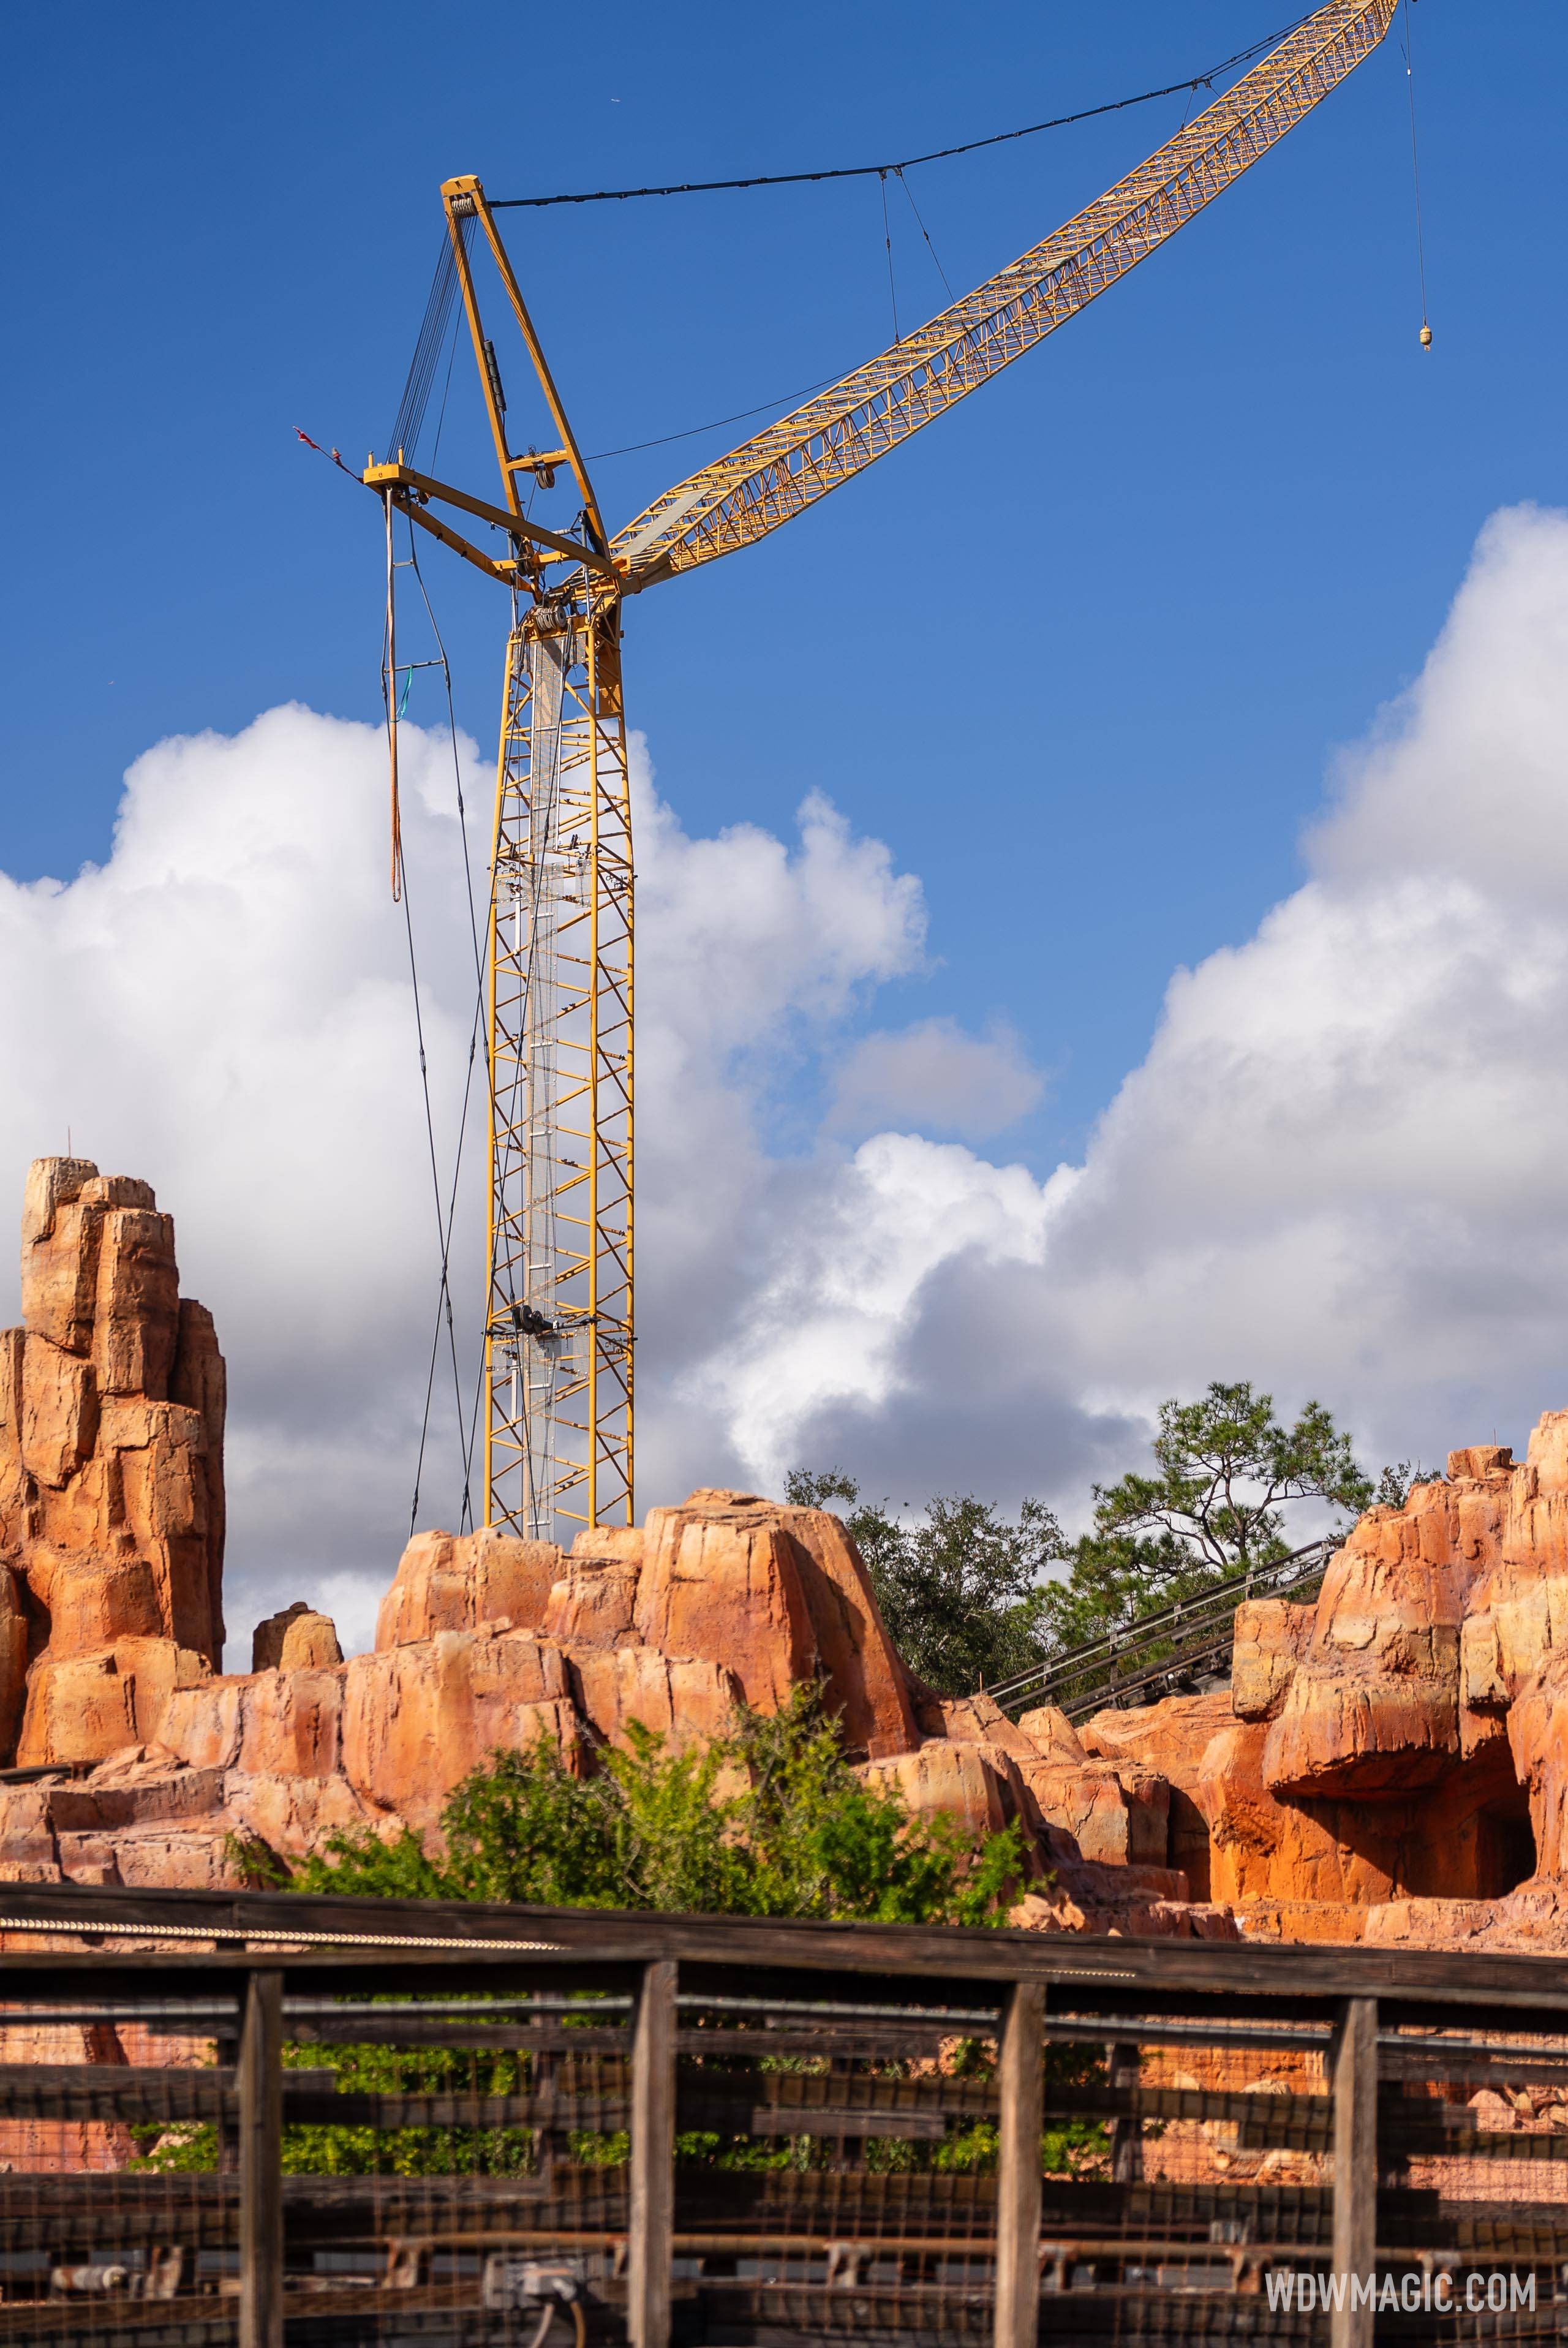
x=1079 y=654
x=1086 y=655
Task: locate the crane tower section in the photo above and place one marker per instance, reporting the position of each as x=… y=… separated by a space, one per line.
x=559 y=1328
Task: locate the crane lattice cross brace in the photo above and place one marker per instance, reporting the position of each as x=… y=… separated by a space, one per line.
x=559 y=1323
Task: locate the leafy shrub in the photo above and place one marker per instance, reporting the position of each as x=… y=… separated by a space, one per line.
x=769 y=1821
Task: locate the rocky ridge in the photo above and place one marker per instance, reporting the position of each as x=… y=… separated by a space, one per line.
x=127 y=1756
x=1390 y=1761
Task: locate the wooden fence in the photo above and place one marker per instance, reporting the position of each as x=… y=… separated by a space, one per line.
x=263 y=2119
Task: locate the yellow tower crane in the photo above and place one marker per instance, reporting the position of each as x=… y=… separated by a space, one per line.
x=558 y=1373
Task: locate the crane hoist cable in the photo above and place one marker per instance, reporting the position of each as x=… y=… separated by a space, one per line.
x=926 y=233
x=558 y=1378
x=1425 y=336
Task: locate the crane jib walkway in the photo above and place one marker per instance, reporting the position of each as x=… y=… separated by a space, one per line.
x=1142 y=1660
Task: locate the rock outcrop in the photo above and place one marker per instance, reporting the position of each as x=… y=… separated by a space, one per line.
x=486 y=1642
x=111 y=1473
x=136 y=1760
x=1390 y=1761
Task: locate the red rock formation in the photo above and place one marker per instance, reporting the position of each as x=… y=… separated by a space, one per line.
x=298 y=1639
x=1391 y=1760
x=111 y=1513
x=111 y=1520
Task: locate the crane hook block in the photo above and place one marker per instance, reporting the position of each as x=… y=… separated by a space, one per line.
x=1426 y=338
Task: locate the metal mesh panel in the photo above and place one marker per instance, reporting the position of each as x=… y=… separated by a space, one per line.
x=1473 y=2157
x=102 y=2241
x=835 y=2171
x=455 y=2156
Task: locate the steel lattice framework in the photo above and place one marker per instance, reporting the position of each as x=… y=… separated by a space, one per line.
x=780 y=472
x=559 y=1323
x=559 y=1329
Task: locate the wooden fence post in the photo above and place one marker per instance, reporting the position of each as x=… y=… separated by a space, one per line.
x=1352 y=2076
x=1124 y=2070
x=653 y=2179
x=261 y=2131
x=1022 y=2083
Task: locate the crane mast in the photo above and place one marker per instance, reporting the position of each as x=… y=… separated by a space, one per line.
x=557 y=1325
x=559 y=1336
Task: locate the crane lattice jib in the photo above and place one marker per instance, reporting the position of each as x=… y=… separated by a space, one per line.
x=778 y=472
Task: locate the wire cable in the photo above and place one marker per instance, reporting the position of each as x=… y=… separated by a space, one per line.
x=428 y=348
x=763 y=407
x=446 y=1208
x=445 y=394
x=444 y=1300
x=887 y=240
x=908 y=163
x=926 y=233
x=1416 y=171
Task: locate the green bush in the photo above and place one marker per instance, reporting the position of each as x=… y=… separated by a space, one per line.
x=768 y=1820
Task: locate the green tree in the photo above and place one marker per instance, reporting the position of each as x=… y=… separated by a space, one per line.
x=959 y=1588
x=1226 y=1472
x=1226 y=1468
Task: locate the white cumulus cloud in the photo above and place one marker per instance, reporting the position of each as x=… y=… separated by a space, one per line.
x=934 y=1077
x=1341 y=1168
x=225 y=1007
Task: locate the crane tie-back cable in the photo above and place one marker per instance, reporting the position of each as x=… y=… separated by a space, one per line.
x=908 y=163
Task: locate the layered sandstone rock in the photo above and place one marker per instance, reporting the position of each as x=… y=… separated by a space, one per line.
x=1397 y=1749
x=111 y=1479
x=488 y=1643
x=297 y=1639
x=1388 y=1761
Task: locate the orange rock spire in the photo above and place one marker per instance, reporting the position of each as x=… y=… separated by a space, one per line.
x=112 y=1473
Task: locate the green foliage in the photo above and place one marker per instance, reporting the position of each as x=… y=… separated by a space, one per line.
x=1226 y=1467
x=321 y=2148
x=191 y=2150
x=970 y=1599
x=1226 y=1471
x=958 y=1587
x=1397 y=1481
x=255 y=1862
x=769 y=1821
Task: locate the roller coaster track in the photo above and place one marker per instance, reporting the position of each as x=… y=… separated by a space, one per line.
x=1162 y=1653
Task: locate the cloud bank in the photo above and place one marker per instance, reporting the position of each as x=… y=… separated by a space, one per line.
x=1341 y=1168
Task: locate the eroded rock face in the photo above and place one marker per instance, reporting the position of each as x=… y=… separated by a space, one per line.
x=778 y=1596
x=1399 y=1748
x=1390 y=1761
x=298 y=1639
x=448 y=1581
x=166 y=1770
x=111 y=1478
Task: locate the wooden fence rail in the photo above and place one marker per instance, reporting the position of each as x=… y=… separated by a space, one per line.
x=669 y=2129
